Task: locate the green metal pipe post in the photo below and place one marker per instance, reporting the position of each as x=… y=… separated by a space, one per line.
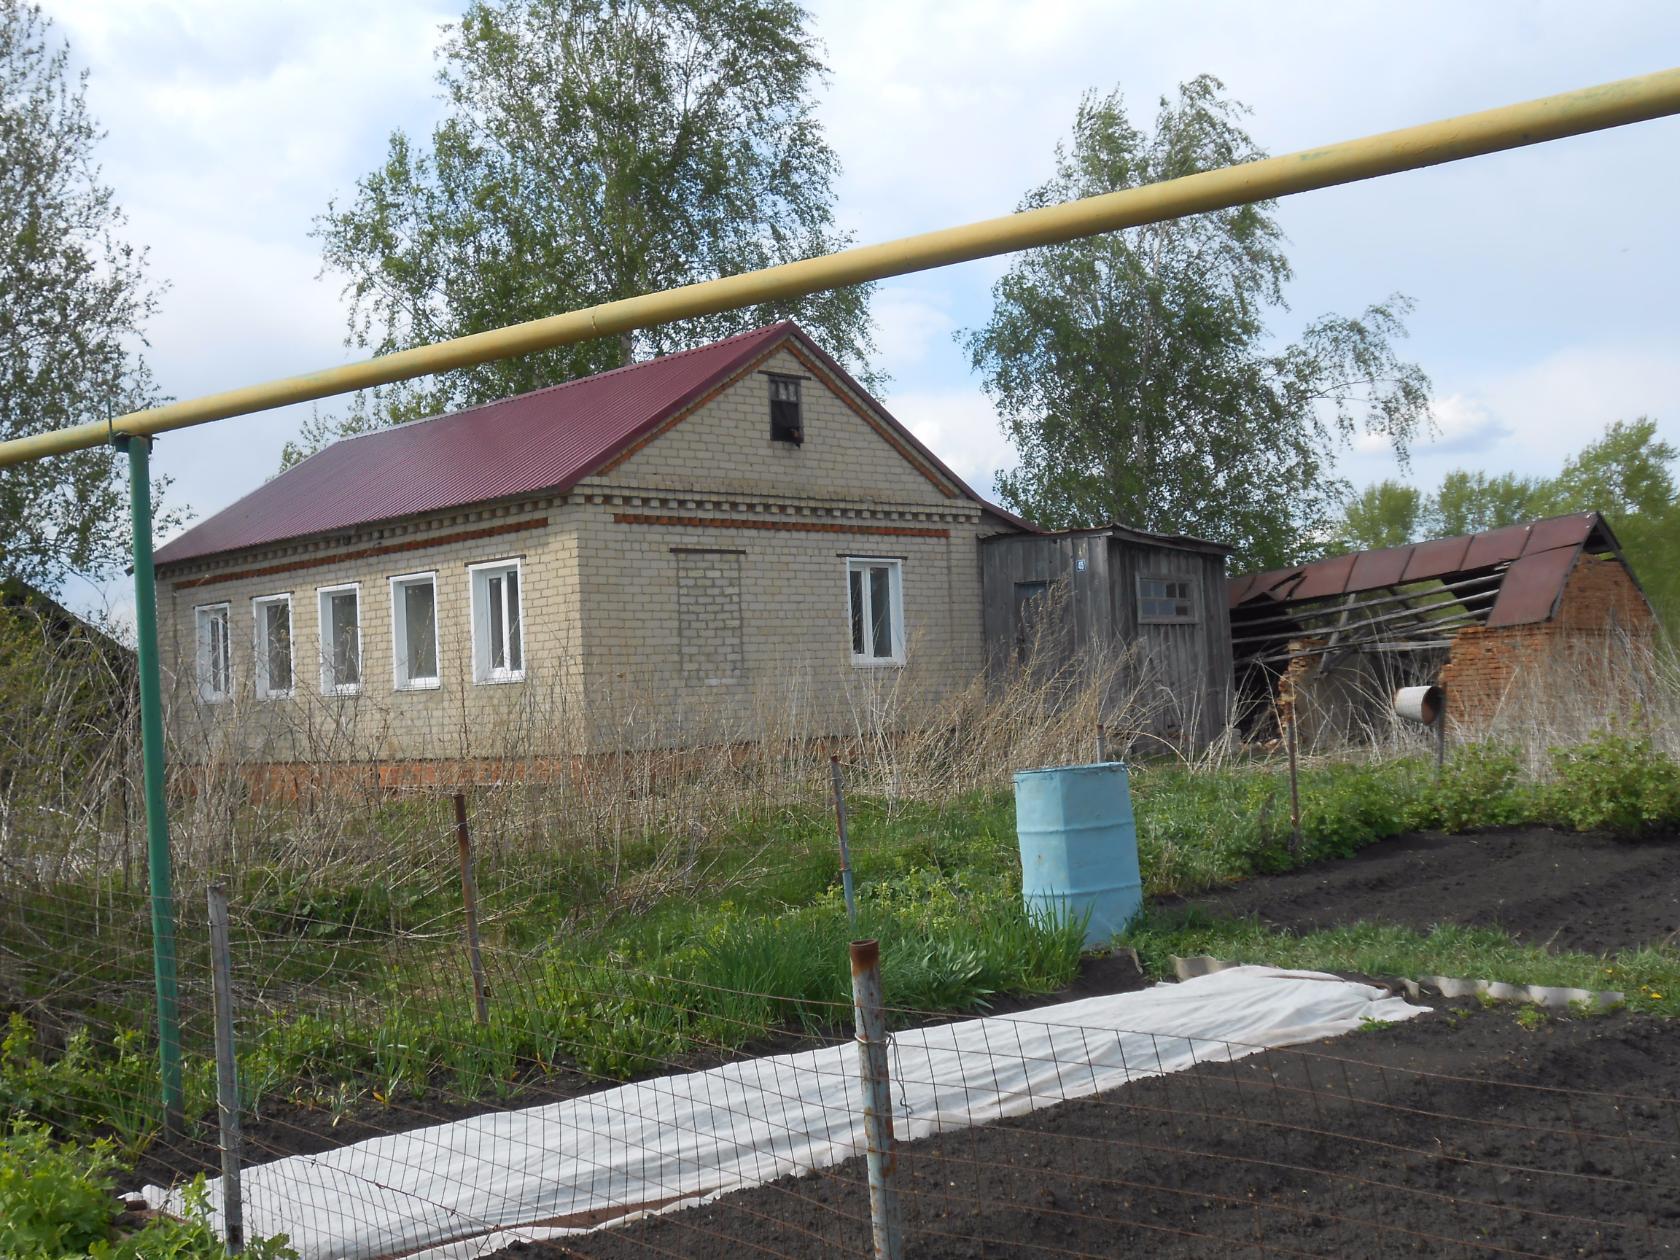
x=138 y=450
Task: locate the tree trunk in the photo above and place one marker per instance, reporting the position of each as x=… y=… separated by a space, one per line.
x=626 y=348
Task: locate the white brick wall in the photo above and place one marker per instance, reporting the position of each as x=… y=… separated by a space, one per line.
x=697 y=590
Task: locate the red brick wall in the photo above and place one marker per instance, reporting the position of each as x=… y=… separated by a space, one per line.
x=1598 y=637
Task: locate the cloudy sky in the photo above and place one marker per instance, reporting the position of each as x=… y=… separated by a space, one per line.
x=1543 y=278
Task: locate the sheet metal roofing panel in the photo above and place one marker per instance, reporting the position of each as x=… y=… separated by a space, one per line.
x=1237 y=589
x=1436 y=558
x=545 y=440
x=1560 y=531
x=1374 y=569
x=1324 y=578
x=1531 y=587
x=1496 y=546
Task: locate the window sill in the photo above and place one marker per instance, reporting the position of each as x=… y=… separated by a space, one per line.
x=349 y=689
x=878 y=662
x=221 y=699
x=420 y=684
x=497 y=680
x=265 y=696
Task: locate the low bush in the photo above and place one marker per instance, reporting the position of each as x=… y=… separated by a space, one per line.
x=1617 y=781
x=1481 y=786
x=58 y=1202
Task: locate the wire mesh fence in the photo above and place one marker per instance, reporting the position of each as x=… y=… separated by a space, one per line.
x=383 y=1117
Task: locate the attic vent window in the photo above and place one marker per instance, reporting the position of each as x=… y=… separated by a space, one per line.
x=1166 y=600
x=786 y=422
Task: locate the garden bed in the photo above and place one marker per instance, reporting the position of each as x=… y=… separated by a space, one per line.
x=1345 y=1150
x=1560 y=890
x=1477 y=1130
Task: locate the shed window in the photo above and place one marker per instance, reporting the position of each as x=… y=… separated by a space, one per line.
x=215 y=657
x=414 y=631
x=272 y=619
x=341 y=640
x=1166 y=599
x=787 y=424
x=875 y=595
x=498 y=647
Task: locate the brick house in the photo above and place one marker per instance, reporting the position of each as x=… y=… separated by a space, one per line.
x=1512 y=623
x=690 y=549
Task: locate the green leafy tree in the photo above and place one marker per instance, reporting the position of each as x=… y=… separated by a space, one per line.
x=1386 y=514
x=74 y=300
x=1137 y=376
x=1628 y=475
x=592 y=150
x=1471 y=502
x=1625 y=473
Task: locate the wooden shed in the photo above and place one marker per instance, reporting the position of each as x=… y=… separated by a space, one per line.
x=1151 y=607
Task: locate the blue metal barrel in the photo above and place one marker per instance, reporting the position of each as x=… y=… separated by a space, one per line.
x=1079 y=845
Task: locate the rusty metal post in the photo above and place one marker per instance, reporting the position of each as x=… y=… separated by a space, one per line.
x=1441 y=736
x=1294 y=788
x=227 y=1076
x=845 y=848
x=469 y=900
x=875 y=1081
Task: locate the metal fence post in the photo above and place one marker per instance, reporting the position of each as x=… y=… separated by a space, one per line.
x=469 y=899
x=1294 y=786
x=227 y=1072
x=845 y=847
x=138 y=451
x=876 y=1083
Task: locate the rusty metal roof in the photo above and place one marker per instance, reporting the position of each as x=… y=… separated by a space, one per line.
x=547 y=440
x=1538 y=557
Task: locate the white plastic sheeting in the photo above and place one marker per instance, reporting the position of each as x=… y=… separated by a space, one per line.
x=470 y=1188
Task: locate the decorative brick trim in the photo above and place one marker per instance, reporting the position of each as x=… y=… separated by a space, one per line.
x=365 y=553
x=800 y=527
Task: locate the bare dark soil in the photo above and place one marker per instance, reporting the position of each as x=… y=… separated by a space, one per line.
x=1423 y=1138
x=1557 y=889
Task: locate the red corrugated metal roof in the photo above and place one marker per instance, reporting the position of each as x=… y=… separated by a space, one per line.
x=1540 y=556
x=546 y=440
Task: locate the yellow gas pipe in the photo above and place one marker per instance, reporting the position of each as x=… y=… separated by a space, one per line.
x=1470 y=135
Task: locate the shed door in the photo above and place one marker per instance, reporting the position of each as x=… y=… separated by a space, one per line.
x=1031 y=599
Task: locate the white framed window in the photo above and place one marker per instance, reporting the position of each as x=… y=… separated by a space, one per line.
x=497 y=621
x=215 y=653
x=1166 y=599
x=414 y=631
x=271 y=620
x=875 y=600
x=341 y=639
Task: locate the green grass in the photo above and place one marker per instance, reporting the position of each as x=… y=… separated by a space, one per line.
x=1649 y=978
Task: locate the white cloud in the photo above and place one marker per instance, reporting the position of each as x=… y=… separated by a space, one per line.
x=959 y=426
x=1530 y=418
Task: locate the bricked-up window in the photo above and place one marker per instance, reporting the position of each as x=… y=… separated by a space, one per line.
x=272 y=618
x=709 y=617
x=786 y=422
x=875 y=595
x=1164 y=600
x=341 y=639
x=497 y=623
x=215 y=656
x=414 y=631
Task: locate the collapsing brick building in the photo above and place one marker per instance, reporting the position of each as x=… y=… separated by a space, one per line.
x=1502 y=620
